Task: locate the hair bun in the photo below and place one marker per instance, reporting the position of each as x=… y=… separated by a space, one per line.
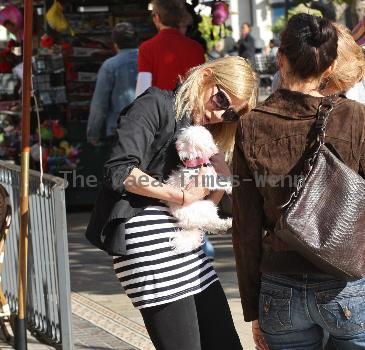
x=316 y=39
x=319 y=34
x=310 y=44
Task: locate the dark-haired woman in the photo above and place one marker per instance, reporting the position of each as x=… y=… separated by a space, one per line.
x=291 y=302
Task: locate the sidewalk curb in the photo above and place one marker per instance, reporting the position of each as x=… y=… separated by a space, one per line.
x=113 y=323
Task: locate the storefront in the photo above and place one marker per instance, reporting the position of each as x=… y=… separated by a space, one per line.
x=65 y=66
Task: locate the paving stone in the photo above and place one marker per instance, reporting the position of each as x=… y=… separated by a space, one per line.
x=86 y=336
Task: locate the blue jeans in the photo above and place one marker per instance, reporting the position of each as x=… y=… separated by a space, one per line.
x=296 y=312
x=208 y=247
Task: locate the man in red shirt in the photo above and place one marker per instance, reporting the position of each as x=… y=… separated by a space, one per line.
x=169 y=54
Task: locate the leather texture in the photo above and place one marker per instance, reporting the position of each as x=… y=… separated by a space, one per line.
x=325 y=219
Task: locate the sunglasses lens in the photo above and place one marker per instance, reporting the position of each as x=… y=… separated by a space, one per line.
x=230 y=115
x=220 y=100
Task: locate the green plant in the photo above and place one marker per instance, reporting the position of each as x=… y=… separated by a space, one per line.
x=210 y=32
x=279 y=24
x=337 y=2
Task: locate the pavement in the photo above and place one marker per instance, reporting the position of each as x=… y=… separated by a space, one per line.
x=103 y=316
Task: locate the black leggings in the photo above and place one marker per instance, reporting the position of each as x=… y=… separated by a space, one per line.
x=198 y=322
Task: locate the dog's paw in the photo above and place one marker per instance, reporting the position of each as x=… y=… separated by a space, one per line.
x=221 y=226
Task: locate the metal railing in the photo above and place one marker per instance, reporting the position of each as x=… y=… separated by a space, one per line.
x=48 y=294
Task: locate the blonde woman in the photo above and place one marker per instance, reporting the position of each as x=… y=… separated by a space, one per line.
x=349 y=68
x=179 y=295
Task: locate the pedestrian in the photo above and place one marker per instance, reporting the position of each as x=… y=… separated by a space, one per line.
x=272 y=49
x=169 y=54
x=290 y=301
x=246 y=44
x=229 y=42
x=115 y=84
x=217 y=50
x=179 y=295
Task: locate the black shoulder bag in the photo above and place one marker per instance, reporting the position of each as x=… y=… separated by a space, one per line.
x=324 y=219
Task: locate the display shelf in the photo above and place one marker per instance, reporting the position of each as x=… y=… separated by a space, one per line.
x=90 y=23
x=83 y=55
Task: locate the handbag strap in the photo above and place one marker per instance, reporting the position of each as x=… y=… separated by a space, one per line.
x=324 y=110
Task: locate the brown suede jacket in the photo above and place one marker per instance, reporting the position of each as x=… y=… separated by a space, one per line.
x=272 y=142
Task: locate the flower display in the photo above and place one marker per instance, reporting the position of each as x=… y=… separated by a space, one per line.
x=7 y=59
x=47 y=41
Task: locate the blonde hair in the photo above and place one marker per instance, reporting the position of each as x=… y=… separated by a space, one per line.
x=350 y=65
x=235 y=76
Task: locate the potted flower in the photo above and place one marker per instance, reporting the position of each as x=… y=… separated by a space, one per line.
x=8 y=61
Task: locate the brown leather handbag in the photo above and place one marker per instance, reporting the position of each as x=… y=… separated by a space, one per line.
x=324 y=219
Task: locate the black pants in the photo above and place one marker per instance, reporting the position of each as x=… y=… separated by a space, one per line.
x=198 y=322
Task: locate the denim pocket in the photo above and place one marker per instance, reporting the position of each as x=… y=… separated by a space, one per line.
x=274 y=308
x=343 y=310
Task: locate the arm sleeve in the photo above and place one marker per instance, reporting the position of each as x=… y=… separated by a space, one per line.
x=220 y=165
x=362 y=153
x=138 y=125
x=247 y=232
x=144 y=60
x=100 y=103
x=358 y=136
x=276 y=82
x=144 y=81
x=362 y=162
x=201 y=55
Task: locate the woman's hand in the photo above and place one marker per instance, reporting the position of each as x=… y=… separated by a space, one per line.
x=195 y=191
x=195 y=194
x=257 y=336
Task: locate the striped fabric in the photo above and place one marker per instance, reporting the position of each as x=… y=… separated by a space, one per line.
x=151 y=273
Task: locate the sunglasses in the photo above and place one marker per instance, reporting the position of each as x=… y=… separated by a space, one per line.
x=221 y=102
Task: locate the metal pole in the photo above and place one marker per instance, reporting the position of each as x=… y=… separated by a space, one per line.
x=20 y=327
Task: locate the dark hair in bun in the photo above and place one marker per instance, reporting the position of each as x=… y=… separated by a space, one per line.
x=310 y=44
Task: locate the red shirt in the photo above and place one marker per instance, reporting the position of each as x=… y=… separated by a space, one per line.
x=168 y=55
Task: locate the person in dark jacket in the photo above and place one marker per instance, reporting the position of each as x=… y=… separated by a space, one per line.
x=115 y=85
x=246 y=44
x=179 y=296
x=290 y=301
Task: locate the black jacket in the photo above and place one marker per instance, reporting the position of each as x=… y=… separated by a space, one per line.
x=145 y=138
x=246 y=48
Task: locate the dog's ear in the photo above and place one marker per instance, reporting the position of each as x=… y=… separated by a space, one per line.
x=207 y=73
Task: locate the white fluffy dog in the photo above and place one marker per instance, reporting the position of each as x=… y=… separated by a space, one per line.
x=195 y=146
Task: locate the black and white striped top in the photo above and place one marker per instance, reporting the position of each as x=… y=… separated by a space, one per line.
x=151 y=273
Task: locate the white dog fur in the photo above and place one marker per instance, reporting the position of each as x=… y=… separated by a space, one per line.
x=195 y=145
